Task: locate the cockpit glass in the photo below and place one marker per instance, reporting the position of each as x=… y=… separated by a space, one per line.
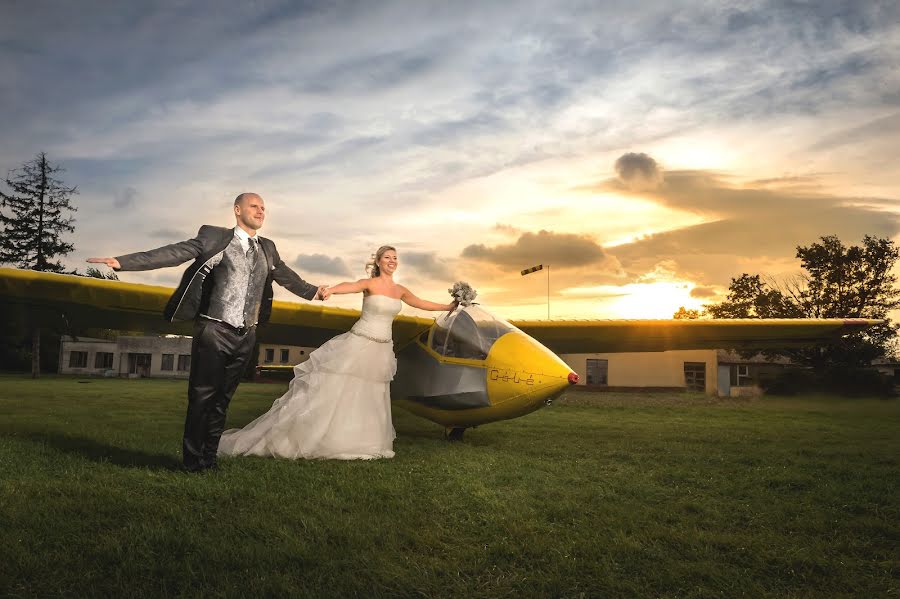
x=468 y=333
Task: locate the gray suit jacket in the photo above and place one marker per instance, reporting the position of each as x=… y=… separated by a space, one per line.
x=191 y=298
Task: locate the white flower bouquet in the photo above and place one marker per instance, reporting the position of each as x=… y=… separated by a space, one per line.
x=463 y=293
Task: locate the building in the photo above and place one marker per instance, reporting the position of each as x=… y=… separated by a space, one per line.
x=741 y=376
x=888 y=367
x=680 y=370
x=282 y=355
x=714 y=372
x=157 y=357
x=151 y=356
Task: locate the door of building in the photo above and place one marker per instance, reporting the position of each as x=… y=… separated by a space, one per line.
x=139 y=364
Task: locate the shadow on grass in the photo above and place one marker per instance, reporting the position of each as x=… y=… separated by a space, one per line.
x=97 y=451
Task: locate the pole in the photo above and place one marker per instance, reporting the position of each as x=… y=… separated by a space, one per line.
x=35 y=352
x=528 y=271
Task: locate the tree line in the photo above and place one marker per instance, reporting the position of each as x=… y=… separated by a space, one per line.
x=836 y=281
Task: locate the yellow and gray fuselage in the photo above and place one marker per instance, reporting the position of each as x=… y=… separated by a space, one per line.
x=471 y=368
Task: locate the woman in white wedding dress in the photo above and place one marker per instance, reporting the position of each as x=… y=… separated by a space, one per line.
x=338 y=405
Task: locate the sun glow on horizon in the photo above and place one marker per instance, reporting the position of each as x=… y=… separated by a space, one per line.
x=658 y=299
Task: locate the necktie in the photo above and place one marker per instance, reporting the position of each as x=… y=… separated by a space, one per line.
x=251 y=251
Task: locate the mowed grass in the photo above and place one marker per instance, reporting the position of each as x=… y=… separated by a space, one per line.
x=599 y=495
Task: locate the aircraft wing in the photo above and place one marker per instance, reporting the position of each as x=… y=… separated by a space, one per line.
x=72 y=303
x=595 y=336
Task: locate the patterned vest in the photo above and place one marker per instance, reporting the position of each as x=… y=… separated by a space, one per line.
x=238 y=283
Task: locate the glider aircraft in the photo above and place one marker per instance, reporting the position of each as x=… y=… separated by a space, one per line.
x=460 y=370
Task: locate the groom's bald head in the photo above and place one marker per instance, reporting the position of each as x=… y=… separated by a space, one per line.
x=239 y=201
x=249 y=211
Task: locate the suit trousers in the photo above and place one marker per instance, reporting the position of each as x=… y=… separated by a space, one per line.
x=219 y=355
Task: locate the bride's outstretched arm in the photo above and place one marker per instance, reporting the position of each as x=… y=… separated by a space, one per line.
x=416 y=302
x=354 y=287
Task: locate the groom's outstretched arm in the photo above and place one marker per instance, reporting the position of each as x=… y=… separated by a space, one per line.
x=168 y=255
x=287 y=278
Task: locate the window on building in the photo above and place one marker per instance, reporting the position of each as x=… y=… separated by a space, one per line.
x=168 y=362
x=598 y=372
x=184 y=362
x=103 y=360
x=285 y=356
x=78 y=359
x=740 y=375
x=270 y=356
x=695 y=376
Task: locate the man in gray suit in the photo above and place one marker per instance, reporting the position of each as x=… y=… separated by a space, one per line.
x=227 y=291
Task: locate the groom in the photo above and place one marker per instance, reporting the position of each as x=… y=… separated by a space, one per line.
x=227 y=291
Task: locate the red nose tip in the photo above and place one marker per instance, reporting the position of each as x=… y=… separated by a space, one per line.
x=573 y=378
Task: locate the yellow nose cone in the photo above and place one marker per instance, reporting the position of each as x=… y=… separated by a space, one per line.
x=522 y=375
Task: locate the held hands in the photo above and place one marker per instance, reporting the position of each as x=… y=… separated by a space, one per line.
x=323 y=293
x=110 y=262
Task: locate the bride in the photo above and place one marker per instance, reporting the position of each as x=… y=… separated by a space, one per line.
x=338 y=404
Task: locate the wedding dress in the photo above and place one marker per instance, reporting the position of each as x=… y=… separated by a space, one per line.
x=338 y=405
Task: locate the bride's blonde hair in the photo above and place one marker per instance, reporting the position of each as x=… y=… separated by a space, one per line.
x=372 y=265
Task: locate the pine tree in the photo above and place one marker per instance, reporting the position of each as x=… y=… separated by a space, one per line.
x=33 y=218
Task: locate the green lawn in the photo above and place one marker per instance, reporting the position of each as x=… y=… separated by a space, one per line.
x=599 y=495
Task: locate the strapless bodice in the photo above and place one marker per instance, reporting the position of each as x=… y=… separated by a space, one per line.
x=377 y=317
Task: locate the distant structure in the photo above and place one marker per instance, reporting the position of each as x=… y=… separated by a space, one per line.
x=282 y=355
x=167 y=356
x=713 y=372
x=710 y=371
x=134 y=357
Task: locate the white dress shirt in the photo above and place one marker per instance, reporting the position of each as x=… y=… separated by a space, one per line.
x=244 y=238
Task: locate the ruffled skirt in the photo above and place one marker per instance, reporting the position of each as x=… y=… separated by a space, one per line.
x=338 y=406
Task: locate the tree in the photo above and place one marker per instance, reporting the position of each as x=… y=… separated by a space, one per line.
x=750 y=297
x=685 y=314
x=96 y=273
x=34 y=217
x=838 y=282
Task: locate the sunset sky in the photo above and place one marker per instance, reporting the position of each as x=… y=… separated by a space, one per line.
x=647 y=151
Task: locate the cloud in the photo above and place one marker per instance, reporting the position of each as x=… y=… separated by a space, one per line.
x=638 y=171
x=747 y=226
x=703 y=292
x=880 y=131
x=507 y=229
x=563 y=250
x=366 y=74
x=125 y=198
x=323 y=109
x=427 y=264
x=322 y=264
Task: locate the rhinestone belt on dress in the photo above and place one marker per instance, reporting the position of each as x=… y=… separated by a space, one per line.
x=370 y=338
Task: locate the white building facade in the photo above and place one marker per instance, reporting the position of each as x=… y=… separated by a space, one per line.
x=135 y=357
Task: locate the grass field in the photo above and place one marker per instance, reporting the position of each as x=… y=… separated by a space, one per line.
x=600 y=495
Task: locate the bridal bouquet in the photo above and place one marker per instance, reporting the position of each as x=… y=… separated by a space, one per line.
x=463 y=293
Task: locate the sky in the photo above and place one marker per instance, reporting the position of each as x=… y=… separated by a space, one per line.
x=647 y=152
